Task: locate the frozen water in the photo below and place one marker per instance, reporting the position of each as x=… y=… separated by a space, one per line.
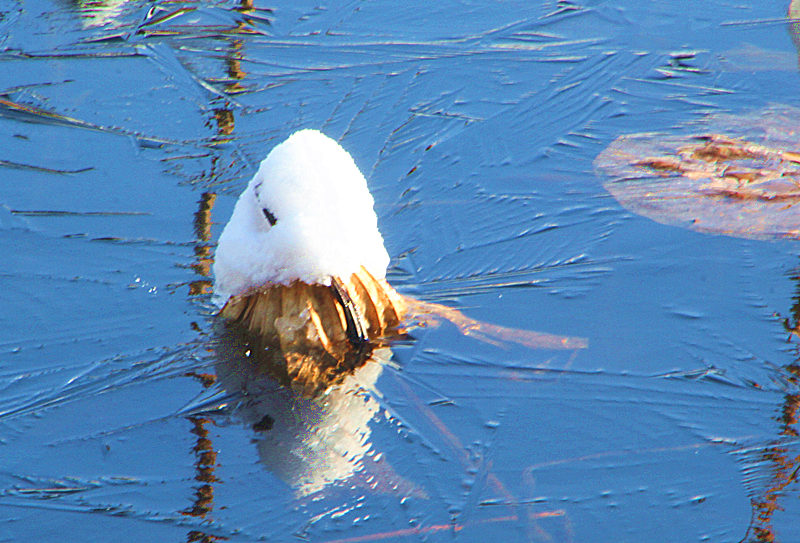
x=128 y=130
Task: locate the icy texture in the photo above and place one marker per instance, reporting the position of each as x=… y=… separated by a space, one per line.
x=477 y=128
x=325 y=224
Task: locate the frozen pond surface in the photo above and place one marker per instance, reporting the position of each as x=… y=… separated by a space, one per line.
x=125 y=125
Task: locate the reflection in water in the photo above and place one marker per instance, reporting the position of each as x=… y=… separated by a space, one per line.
x=205 y=464
x=206 y=455
x=781 y=456
x=310 y=437
x=785 y=467
x=97 y=13
x=203 y=247
x=310 y=441
x=744 y=184
x=183 y=20
x=794 y=25
x=233 y=66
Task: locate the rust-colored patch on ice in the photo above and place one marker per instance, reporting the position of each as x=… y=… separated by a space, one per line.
x=739 y=176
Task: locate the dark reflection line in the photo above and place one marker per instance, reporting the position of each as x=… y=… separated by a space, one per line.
x=206 y=456
x=203 y=248
x=205 y=465
x=784 y=464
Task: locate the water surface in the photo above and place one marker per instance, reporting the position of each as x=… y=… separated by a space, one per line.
x=128 y=128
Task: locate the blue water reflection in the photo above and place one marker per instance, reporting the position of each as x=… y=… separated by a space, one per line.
x=128 y=129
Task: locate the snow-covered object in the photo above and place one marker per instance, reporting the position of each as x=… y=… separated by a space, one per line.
x=306 y=215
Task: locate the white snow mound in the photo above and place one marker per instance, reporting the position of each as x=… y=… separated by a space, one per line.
x=325 y=224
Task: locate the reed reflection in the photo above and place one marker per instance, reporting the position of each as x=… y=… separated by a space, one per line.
x=205 y=466
x=781 y=455
x=223 y=123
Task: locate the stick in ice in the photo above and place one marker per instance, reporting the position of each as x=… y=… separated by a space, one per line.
x=302 y=264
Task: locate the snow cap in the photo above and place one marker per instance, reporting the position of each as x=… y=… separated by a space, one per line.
x=306 y=215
